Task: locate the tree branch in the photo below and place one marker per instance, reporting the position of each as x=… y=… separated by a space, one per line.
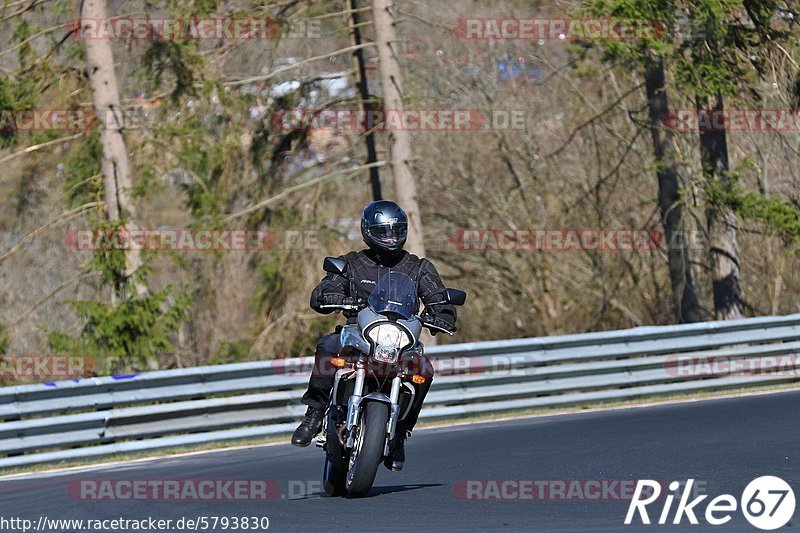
x=283 y=194
x=287 y=68
x=36 y=147
x=63 y=217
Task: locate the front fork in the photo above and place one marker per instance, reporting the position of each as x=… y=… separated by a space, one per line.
x=354 y=407
x=354 y=402
x=394 y=398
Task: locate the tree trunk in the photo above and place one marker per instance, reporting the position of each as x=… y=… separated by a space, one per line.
x=363 y=92
x=725 y=270
x=399 y=139
x=686 y=307
x=114 y=166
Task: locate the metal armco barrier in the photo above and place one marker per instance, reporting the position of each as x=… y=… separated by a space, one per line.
x=95 y=417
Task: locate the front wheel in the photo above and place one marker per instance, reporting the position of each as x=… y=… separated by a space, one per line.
x=368 y=449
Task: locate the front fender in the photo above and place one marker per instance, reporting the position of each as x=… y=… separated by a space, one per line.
x=355 y=406
x=377 y=397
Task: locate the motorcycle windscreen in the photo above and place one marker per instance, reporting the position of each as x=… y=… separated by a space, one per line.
x=394 y=293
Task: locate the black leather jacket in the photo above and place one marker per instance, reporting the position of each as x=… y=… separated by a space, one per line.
x=366 y=267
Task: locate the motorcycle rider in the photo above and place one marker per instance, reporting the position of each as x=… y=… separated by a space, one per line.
x=384 y=226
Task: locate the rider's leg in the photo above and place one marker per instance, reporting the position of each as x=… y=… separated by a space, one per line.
x=423 y=367
x=319 y=389
x=321 y=381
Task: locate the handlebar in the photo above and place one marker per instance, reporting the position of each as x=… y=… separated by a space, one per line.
x=352 y=304
x=343 y=307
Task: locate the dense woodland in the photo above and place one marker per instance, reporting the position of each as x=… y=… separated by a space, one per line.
x=193 y=133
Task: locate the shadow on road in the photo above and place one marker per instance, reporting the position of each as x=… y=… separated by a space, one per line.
x=377 y=491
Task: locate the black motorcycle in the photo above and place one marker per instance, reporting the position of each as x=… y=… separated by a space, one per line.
x=373 y=385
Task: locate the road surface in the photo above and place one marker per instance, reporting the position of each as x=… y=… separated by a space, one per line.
x=721 y=443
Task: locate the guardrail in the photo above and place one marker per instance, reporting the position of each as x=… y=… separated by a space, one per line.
x=87 y=418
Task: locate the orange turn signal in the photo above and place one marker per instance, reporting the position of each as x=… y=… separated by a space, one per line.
x=338 y=362
x=419 y=380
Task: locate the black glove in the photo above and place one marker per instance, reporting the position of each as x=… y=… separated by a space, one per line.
x=331 y=298
x=439 y=322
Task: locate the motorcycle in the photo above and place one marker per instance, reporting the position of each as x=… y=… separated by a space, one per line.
x=373 y=385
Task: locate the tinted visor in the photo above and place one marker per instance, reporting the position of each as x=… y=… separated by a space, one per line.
x=389 y=234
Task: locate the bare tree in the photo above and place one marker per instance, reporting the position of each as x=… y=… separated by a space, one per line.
x=684 y=296
x=360 y=71
x=725 y=270
x=399 y=139
x=105 y=98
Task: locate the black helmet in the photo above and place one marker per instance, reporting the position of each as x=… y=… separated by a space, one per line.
x=384 y=226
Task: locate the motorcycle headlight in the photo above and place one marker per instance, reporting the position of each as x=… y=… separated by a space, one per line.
x=389 y=339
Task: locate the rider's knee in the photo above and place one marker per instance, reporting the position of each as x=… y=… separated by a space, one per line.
x=328 y=345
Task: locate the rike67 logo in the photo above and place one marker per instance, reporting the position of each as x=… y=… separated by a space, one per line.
x=767 y=503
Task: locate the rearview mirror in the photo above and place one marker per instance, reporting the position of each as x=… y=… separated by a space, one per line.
x=334 y=265
x=455 y=296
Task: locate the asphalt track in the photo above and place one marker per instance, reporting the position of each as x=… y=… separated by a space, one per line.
x=722 y=443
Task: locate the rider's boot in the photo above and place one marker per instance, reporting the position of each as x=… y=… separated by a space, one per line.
x=397 y=457
x=309 y=427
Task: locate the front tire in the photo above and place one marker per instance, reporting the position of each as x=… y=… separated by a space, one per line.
x=368 y=449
